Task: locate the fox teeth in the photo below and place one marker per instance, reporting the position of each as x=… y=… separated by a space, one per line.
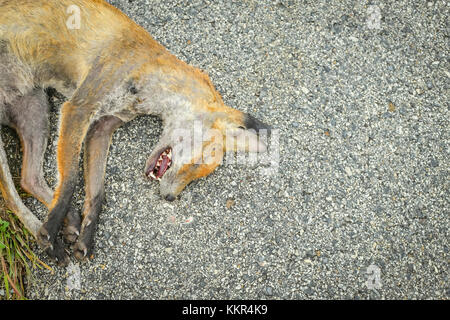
x=162 y=156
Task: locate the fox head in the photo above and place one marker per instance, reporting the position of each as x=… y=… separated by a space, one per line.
x=194 y=145
x=198 y=128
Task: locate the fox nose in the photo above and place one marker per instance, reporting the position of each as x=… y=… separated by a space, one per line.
x=169 y=197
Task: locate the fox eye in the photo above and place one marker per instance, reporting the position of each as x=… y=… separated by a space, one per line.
x=131 y=88
x=241 y=127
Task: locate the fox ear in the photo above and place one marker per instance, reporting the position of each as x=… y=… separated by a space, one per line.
x=241 y=139
x=253 y=123
x=246 y=133
x=248 y=141
x=253 y=128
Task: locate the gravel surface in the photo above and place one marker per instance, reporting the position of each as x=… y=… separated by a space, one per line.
x=361 y=102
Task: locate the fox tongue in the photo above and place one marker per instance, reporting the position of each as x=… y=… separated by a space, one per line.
x=163 y=166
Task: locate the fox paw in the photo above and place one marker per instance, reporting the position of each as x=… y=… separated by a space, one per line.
x=71 y=229
x=54 y=249
x=81 y=251
x=43 y=239
x=71 y=234
x=84 y=246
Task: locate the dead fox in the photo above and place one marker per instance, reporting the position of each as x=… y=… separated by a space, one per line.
x=112 y=70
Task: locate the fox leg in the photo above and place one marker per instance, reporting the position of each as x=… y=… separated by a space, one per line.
x=29 y=116
x=15 y=204
x=96 y=147
x=74 y=125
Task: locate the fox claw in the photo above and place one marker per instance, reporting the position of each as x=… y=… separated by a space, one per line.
x=80 y=251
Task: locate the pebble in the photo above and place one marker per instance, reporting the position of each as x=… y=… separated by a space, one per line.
x=348 y=171
x=305 y=90
x=268 y=291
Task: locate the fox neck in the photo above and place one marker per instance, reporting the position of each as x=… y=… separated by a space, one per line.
x=178 y=94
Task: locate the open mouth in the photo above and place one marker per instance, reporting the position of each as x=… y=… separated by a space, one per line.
x=157 y=169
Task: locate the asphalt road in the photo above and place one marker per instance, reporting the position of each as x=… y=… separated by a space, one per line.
x=359 y=95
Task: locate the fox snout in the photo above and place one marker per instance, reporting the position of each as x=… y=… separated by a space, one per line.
x=173 y=174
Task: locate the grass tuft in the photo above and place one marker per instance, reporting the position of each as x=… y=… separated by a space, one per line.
x=16 y=257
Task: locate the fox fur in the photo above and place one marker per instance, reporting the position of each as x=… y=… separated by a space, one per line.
x=111 y=70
